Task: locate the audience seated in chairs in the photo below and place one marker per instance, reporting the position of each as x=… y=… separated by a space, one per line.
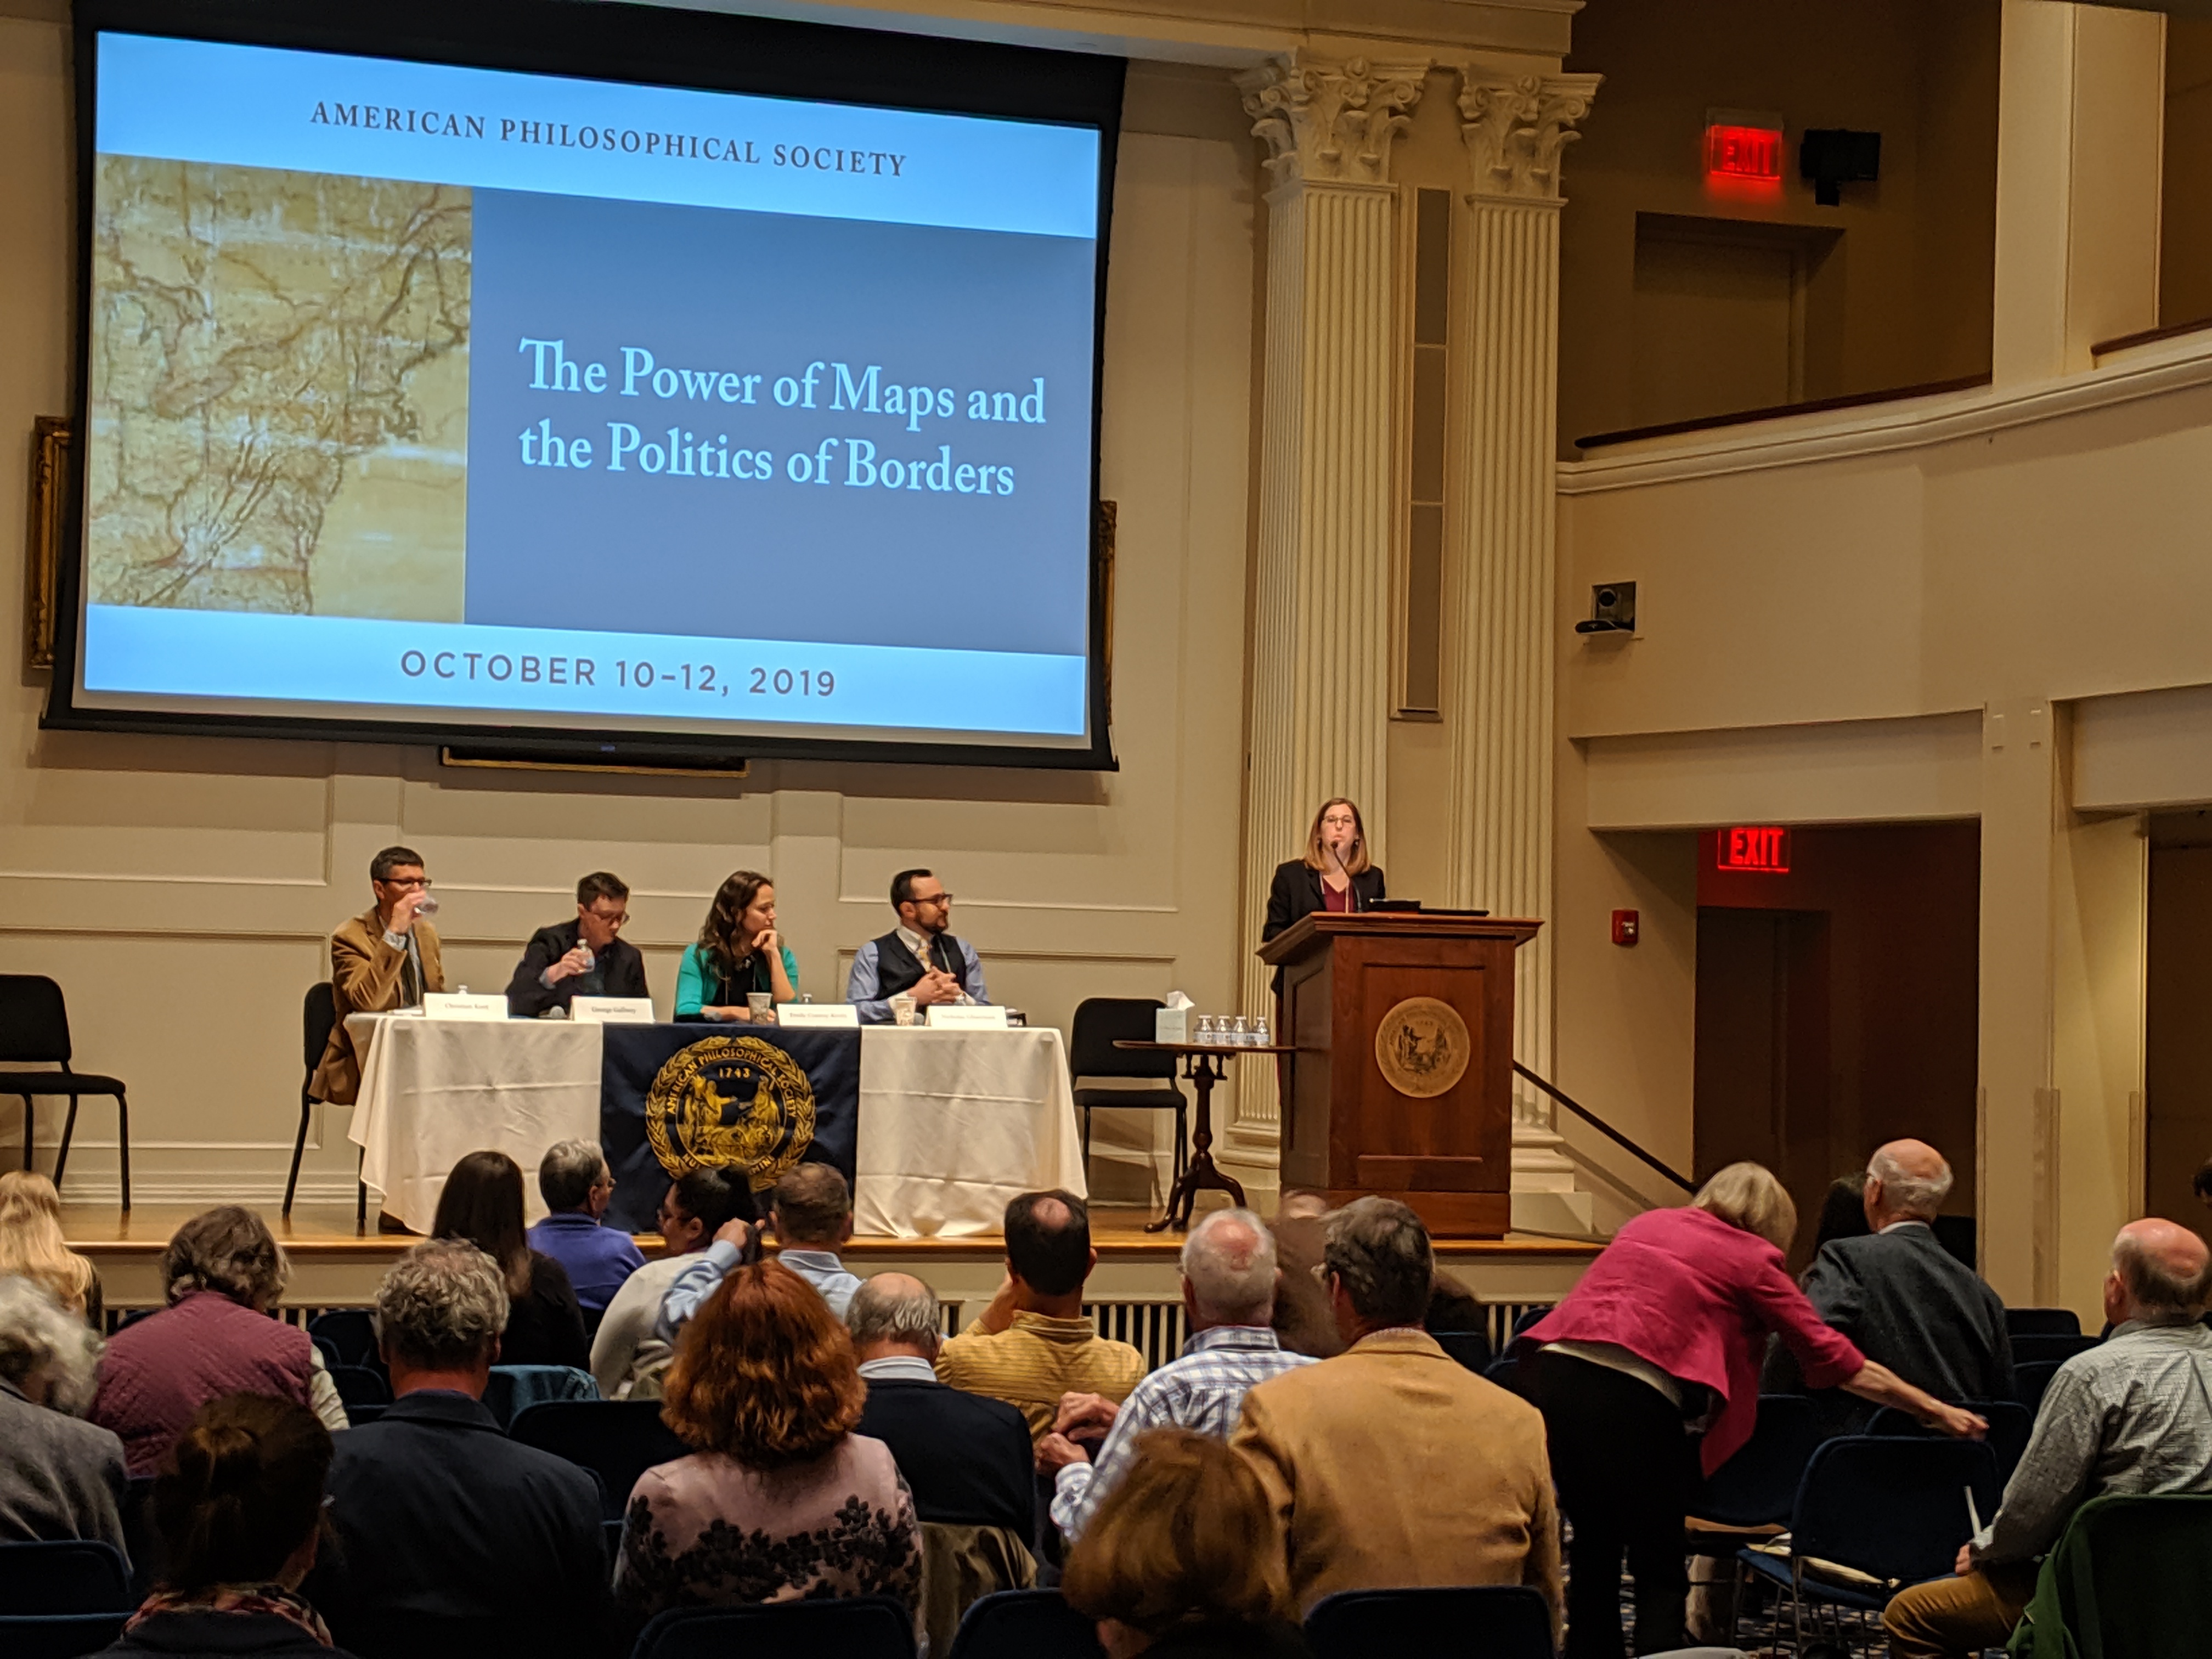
x=1183 y=1558
x=780 y=1500
x=2129 y=1416
x=1664 y=1333
x=59 y=1478
x=238 y=1505
x=32 y=1244
x=812 y=1210
x=453 y=1538
x=574 y=1180
x=223 y=1272
x=1392 y=1465
x=965 y=1459
x=1229 y=1301
x=627 y=1357
x=482 y=1203
x=1901 y=1297
x=1034 y=1343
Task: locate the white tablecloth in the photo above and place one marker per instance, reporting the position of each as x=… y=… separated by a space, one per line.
x=951 y=1125
x=955 y=1123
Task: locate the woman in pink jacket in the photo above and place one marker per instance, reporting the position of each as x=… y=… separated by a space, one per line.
x=1648 y=1378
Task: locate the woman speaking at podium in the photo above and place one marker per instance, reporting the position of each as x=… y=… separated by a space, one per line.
x=1333 y=875
x=740 y=954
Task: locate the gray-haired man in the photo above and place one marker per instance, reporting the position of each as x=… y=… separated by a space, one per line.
x=1228 y=1299
x=965 y=1458
x=1907 y=1302
x=446 y=1524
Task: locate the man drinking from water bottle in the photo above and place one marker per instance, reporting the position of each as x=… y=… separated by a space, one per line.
x=584 y=957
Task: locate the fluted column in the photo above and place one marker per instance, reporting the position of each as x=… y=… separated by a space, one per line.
x=1318 y=720
x=1499 y=581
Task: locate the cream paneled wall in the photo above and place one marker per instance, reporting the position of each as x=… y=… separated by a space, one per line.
x=181 y=890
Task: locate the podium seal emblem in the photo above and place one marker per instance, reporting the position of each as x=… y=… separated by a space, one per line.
x=1423 y=1047
x=730 y=1103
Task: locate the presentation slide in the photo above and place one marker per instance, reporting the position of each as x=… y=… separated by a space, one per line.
x=430 y=394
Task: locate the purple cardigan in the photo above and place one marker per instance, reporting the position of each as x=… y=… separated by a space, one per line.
x=160 y=1370
x=1698 y=1298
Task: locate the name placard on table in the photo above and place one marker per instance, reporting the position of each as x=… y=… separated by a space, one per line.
x=961 y=1017
x=444 y=1005
x=815 y=1014
x=610 y=1011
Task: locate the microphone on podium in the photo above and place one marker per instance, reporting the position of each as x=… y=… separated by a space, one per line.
x=1351 y=887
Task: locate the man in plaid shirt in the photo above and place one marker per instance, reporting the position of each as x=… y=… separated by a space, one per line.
x=1229 y=1295
x=2128 y=1416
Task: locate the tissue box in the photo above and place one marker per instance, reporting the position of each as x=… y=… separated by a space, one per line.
x=1171 y=1025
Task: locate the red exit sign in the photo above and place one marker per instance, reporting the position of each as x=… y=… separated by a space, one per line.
x=1765 y=849
x=1743 y=152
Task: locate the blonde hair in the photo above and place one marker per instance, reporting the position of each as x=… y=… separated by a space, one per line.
x=1317 y=860
x=32 y=1244
x=1747 y=1195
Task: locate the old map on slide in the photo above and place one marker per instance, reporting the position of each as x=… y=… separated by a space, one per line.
x=279 y=393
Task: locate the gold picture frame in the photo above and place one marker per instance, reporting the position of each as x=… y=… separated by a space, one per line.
x=52 y=436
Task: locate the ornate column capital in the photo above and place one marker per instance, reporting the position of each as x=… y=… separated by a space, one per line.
x=1515 y=125
x=1331 y=121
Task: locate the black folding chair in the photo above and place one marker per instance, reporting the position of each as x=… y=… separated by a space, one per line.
x=854 y=1627
x=1100 y=1023
x=1889 y=1512
x=71 y=1576
x=2030 y=1377
x=618 y=1440
x=34 y=1030
x=2009 y=1422
x=350 y=1333
x=357 y=1386
x=1498 y=1621
x=1758 y=1483
x=1025 y=1624
x=2028 y=1349
x=1470 y=1348
x=2043 y=1321
x=319 y=1018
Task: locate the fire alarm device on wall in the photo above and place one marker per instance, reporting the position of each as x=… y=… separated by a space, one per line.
x=1624 y=927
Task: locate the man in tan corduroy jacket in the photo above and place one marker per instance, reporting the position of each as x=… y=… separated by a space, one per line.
x=1391 y=1466
x=384 y=959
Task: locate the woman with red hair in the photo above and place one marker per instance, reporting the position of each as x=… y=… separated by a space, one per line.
x=780 y=1500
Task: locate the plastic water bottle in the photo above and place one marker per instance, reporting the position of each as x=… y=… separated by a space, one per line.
x=1207 y=1036
x=1260 y=1039
x=1240 y=1035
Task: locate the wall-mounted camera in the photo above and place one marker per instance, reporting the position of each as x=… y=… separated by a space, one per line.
x=1613 y=610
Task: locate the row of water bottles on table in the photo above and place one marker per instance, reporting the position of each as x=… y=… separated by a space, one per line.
x=1230 y=1031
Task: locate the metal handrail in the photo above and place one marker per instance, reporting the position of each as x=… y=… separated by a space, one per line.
x=1605 y=1128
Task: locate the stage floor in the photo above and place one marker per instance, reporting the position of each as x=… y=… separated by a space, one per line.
x=337 y=1265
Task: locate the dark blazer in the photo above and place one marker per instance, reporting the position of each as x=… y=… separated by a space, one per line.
x=443 y=1522
x=621 y=963
x=967 y=1460
x=260 y=1635
x=545 y=1323
x=1295 y=894
x=1910 y=1305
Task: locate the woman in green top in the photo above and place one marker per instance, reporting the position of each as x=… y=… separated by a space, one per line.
x=739 y=952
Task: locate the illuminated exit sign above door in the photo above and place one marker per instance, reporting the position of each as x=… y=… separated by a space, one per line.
x=1764 y=850
x=1744 y=146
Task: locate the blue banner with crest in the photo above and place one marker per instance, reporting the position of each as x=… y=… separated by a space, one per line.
x=675 y=1097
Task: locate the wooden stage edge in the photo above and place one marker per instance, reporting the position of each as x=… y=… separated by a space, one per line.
x=334 y=1264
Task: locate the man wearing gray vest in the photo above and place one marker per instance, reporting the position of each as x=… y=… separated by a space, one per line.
x=917 y=959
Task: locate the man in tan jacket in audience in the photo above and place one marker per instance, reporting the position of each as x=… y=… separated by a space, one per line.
x=1391 y=1466
x=384 y=958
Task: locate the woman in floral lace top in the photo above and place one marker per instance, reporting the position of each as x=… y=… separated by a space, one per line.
x=780 y=1500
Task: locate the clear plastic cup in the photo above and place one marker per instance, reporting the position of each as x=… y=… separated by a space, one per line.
x=428 y=906
x=763 y=1004
x=903 y=1009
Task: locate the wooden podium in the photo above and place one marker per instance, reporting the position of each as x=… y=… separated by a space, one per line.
x=1402 y=1080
